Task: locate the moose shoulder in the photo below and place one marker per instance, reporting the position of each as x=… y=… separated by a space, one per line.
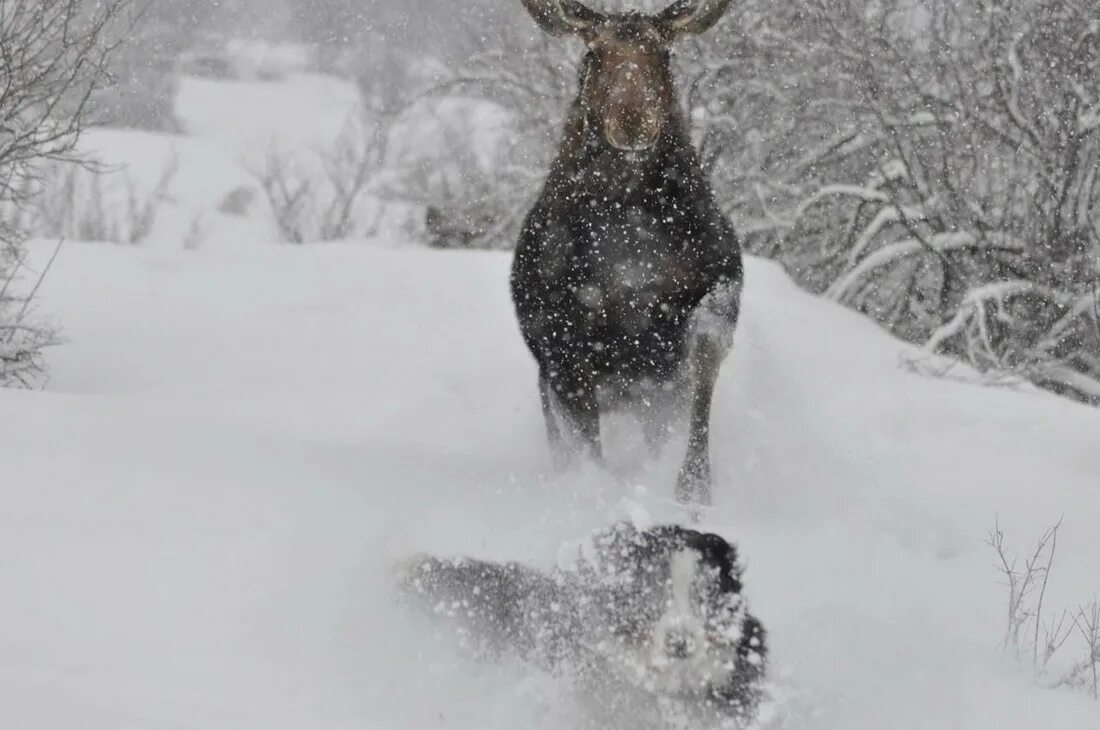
x=627 y=277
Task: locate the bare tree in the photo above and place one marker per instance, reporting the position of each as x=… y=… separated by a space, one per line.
x=54 y=55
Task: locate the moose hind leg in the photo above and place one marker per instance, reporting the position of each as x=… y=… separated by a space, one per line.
x=660 y=411
x=559 y=448
x=582 y=414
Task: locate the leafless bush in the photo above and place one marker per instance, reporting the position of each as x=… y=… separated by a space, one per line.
x=22 y=338
x=326 y=196
x=1086 y=673
x=960 y=209
x=54 y=56
x=1029 y=635
x=84 y=204
x=1027 y=585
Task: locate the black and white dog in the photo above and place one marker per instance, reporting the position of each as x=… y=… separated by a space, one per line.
x=638 y=617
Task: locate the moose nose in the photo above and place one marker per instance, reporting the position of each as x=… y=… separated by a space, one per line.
x=632 y=137
x=679 y=644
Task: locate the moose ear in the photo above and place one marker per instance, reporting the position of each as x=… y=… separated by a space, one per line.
x=562 y=17
x=691 y=17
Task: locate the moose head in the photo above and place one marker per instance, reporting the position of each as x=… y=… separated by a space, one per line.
x=626 y=92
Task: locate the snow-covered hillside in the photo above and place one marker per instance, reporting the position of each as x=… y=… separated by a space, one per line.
x=201 y=512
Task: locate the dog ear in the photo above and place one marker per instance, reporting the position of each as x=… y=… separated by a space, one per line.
x=717 y=552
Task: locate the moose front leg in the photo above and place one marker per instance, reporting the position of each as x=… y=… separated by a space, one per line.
x=693 y=484
x=713 y=325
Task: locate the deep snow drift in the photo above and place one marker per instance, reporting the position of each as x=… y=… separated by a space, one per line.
x=201 y=512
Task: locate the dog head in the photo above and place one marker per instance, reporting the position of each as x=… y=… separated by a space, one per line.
x=672 y=599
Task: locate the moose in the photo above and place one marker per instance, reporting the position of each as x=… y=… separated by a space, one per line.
x=627 y=277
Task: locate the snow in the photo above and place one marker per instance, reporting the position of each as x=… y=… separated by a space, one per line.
x=203 y=510
x=205 y=183
x=425 y=132
x=302 y=112
x=193 y=178
x=253 y=58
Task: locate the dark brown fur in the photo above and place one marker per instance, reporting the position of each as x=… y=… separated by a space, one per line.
x=627 y=276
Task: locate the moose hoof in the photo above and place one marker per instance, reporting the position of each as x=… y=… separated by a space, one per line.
x=567 y=457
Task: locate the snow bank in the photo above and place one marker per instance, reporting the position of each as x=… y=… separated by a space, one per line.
x=201 y=514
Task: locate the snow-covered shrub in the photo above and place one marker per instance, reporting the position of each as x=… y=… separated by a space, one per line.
x=87 y=202
x=960 y=207
x=56 y=57
x=451 y=156
x=326 y=194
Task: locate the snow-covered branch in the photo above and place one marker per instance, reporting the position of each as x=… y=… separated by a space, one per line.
x=940 y=242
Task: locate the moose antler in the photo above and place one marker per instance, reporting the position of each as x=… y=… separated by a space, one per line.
x=562 y=17
x=691 y=17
